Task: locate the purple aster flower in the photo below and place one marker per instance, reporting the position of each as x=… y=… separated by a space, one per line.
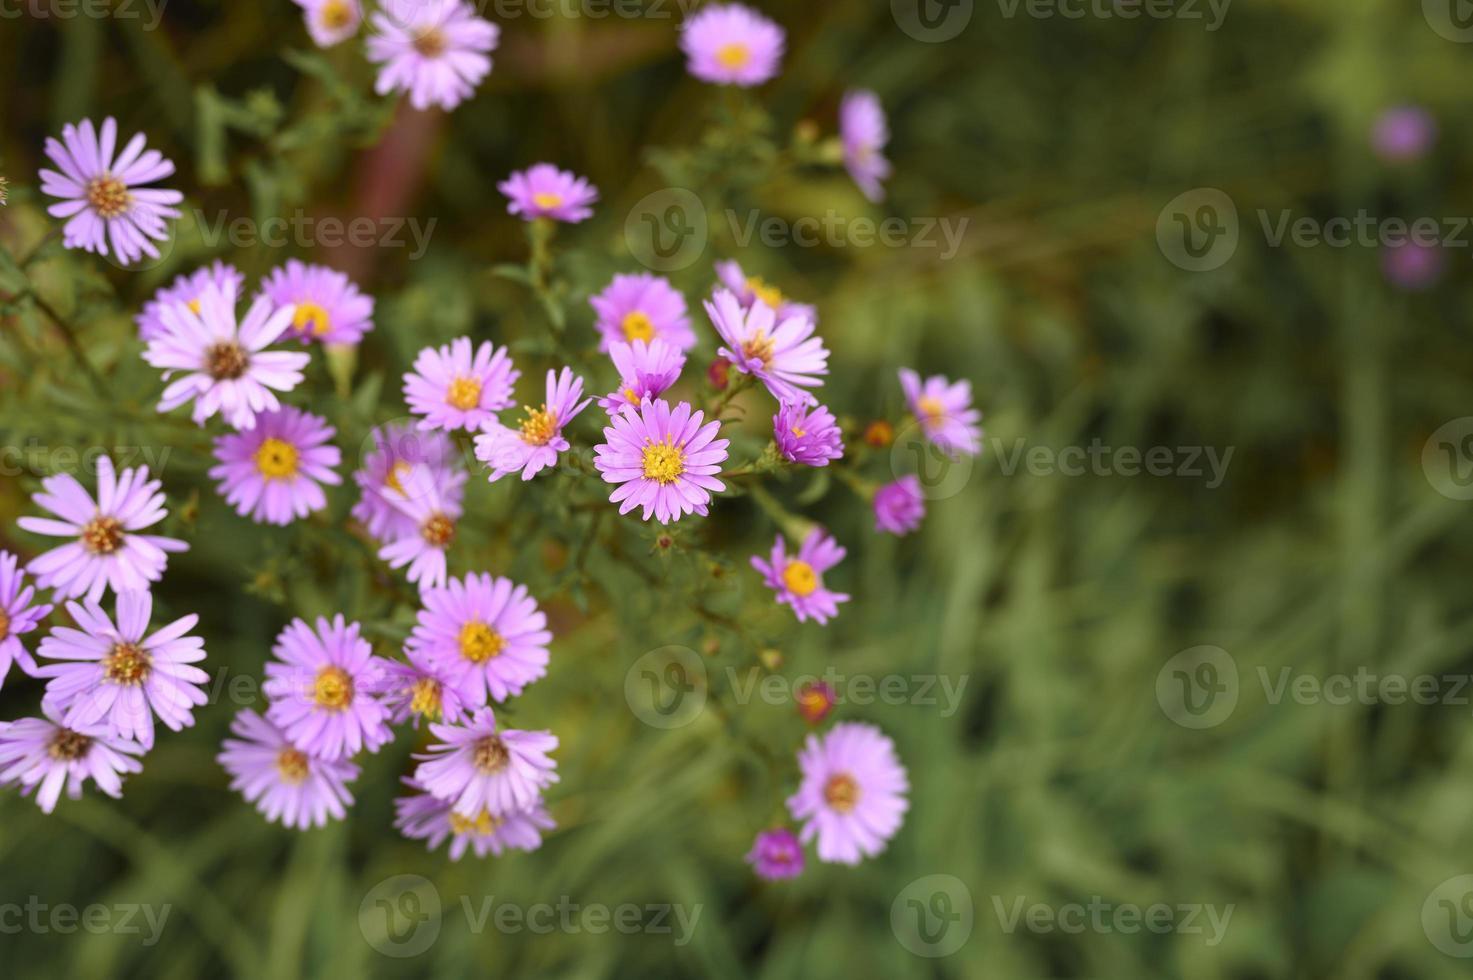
x=807 y=435
x=186 y=289
x=864 y=133
x=776 y=854
x=43 y=754
x=899 y=506
x=288 y=785
x=17 y=616
x=331 y=22
x=944 y=411
x=754 y=289
x=420 y=689
x=273 y=473
x=641 y=307
x=103 y=195
x=117 y=677
x=544 y=191
x=665 y=460
x=437 y=52
x=460 y=387
x=786 y=358
x=226 y=366
x=421 y=816
x=798 y=581
x=433 y=513
x=485 y=632
x=731 y=44
x=536 y=443
x=322 y=689
x=397 y=448
x=1413 y=266
x=108 y=550
x=475 y=767
x=329 y=308
x=853 y=792
x=1403 y=134
x=646 y=370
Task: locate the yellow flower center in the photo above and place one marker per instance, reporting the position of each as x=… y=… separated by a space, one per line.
x=276 y=459
x=102 y=535
x=395 y=472
x=108 y=196
x=424 y=697
x=797 y=431
x=490 y=755
x=637 y=326
x=431 y=43
x=439 y=530
x=663 y=462
x=546 y=200
x=479 y=642
x=464 y=394
x=194 y=306
x=768 y=294
x=932 y=411
x=841 y=792
x=127 y=664
x=292 y=766
x=800 y=578
x=226 y=362
x=336 y=14
x=539 y=426
x=333 y=688
x=4 y=624
x=68 y=745
x=311 y=320
x=485 y=823
x=759 y=346
x=734 y=55
x=632 y=396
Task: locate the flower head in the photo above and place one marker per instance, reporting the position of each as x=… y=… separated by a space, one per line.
x=296 y=788
x=485 y=634
x=805 y=435
x=544 y=191
x=1413 y=265
x=273 y=473
x=396 y=449
x=853 y=792
x=731 y=44
x=327 y=305
x=420 y=689
x=186 y=289
x=322 y=688
x=900 y=506
x=331 y=22
x=944 y=411
x=17 y=616
x=437 y=52
x=460 y=387
x=432 y=513
x=664 y=460
x=816 y=701
x=784 y=355
x=776 y=854
x=477 y=767
x=798 y=581
x=645 y=371
x=644 y=307
x=1403 y=134
x=45 y=755
x=535 y=444
x=864 y=133
x=754 y=289
x=423 y=817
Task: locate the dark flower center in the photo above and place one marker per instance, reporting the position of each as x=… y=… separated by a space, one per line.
x=126 y=663
x=102 y=535
x=490 y=755
x=226 y=362
x=841 y=792
x=68 y=745
x=439 y=530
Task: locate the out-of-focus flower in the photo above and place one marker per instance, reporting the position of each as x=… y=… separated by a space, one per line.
x=437 y=52
x=864 y=133
x=731 y=44
x=274 y=473
x=776 y=855
x=419 y=689
x=186 y=289
x=423 y=817
x=17 y=616
x=1413 y=266
x=809 y=436
x=754 y=289
x=853 y=794
x=397 y=448
x=433 y=514
x=641 y=307
x=646 y=370
x=663 y=460
x=945 y=413
x=289 y=786
x=900 y=506
x=798 y=581
x=535 y=444
x=45 y=755
x=544 y=191
x=331 y=22
x=1403 y=134
x=329 y=308
x=879 y=434
x=477 y=767
x=815 y=701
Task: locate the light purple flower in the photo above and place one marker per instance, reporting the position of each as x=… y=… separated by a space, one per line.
x=475 y=767
x=731 y=44
x=186 y=289
x=322 y=688
x=273 y=473
x=754 y=289
x=17 y=616
x=331 y=22
x=645 y=371
x=776 y=854
x=544 y=191
x=328 y=306
x=1403 y=134
x=864 y=133
x=1413 y=266
x=944 y=411
x=798 y=581
x=108 y=550
x=485 y=633
x=420 y=689
x=397 y=448
x=437 y=52
x=45 y=755
x=460 y=387
x=433 y=513
x=663 y=460
x=288 y=785
x=104 y=195
x=642 y=306
x=853 y=792
x=536 y=443
x=422 y=816
x=900 y=506
x=787 y=357
x=805 y=435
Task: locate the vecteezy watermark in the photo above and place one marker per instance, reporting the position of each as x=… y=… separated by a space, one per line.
x=941 y=475
x=666 y=687
x=34 y=456
x=1198 y=229
x=1181 y=462
x=932 y=21
x=667 y=230
x=921 y=690
x=1101 y=916
x=836 y=230
x=303 y=230
x=933 y=916
x=1447 y=916
x=1212 y=11
x=149 y=11
x=122 y=918
x=1451 y=19
x=1198 y=688
x=501 y=10
x=1447 y=459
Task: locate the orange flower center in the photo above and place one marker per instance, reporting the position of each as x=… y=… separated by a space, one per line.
x=490 y=755
x=292 y=766
x=333 y=689
x=102 y=535
x=464 y=394
x=127 y=664
x=800 y=578
x=68 y=745
x=841 y=792
x=439 y=530
x=226 y=362
x=108 y=196
x=539 y=426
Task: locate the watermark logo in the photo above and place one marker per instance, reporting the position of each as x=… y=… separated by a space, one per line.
x=1447 y=459
x=1198 y=688
x=941 y=476
x=932 y=916
x=932 y=21
x=667 y=231
x=150 y=12
x=1447 y=917
x=1198 y=230
x=1099 y=915
x=400 y=916
x=1451 y=19
x=666 y=688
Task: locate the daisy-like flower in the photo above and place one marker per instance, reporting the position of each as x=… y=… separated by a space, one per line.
x=754 y=289
x=17 y=616
x=331 y=21
x=397 y=448
x=776 y=854
x=944 y=411
x=544 y=191
x=45 y=755
x=458 y=387
x=104 y=195
x=899 y=506
x=226 y=366
x=663 y=459
x=475 y=767
x=322 y=689
x=784 y=355
x=273 y=473
x=423 y=817
x=485 y=632
x=798 y=581
x=433 y=514
x=731 y=44
x=437 y=52
x=117 y=676
x=853 y=792
x=289 y=786
x=329 y=308
x=807 y=435
x=535 y=444
x=186 y=289
x=864 y=133
x=644 y=307
x=646 y=370
x=420 y=689
x=107 y=551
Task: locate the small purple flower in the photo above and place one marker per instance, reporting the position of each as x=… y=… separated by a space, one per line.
x=420 y=689
x=945 y=413
x=273 y=473
x=809 y=436
x=104 y=195
x=798 y=581
x=731 y=44
x=475 y=767
x=485 y=633
x=322 y=689
x=186 y=289
x=328 y=306
x=437 y=52
x=664 y=460
x=544 y=191
x=754 y=289
x=536 y=443
x=1413 y=266
x=776 y=854
x=17 y=616
x=1403 y=134
x=44 y=755
x=645 y=371
x=331 y=22
x=787 y=357
x=432 y=513
x=397 y=448
x=853 y=794
x=457 y=387
x=288 y=785
x=422 y=816
x=864 y=133
x=900 y=506
x=641 y=307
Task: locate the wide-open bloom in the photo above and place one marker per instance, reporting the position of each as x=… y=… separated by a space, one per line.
x=322 y=689
x=460 y=387
x=420 y=689
x=226 y=366
x=186 y=289
x=273 y=473
x=397 y=448
x=784 y=355
x=644 y=307
x=754 y=289
x=45 y=755
x=432 y=514
x=296 y=788
x=331 y=21
x=663 y=460
x=864 y=133
x=776 y=854
x=900 y=506
x=731 y=44
x=535 y=444
x=17 y=616
x=544 y=191
x=107 y=551
x=437 y=52
x=423 y=817
x=646 y=370
x=809 y=436
x=853 y=792
x=486 y=633
x=475 y=767
x=328 y=306
x=944 y=410
x=798 y=581
x=104 y=195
